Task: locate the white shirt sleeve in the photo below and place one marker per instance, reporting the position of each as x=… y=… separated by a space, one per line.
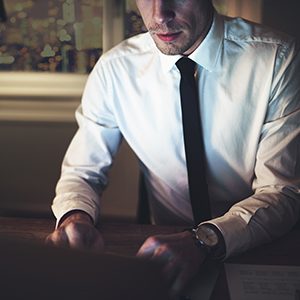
x=90 y=154
x=275 y=205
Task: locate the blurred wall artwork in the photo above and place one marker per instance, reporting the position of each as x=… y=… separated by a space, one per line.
x=53 y=36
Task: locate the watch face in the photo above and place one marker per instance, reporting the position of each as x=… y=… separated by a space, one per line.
x=207 y=236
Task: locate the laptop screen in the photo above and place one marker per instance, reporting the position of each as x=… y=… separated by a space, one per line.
x=36 y=271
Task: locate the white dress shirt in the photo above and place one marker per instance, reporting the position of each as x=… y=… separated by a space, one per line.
x=249 y=93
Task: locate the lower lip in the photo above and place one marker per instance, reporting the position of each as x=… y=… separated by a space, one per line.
x=168 y=37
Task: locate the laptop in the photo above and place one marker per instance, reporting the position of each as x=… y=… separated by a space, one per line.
x=32 y=271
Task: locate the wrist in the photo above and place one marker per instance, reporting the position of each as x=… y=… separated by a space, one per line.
x=75 y=216
x=219 y=252
x=209 y=238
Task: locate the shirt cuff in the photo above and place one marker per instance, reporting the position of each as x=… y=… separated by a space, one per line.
x=234 y=232
x=61 y=206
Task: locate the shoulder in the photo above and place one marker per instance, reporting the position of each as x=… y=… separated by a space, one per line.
x=130 y=51
x=243 y=32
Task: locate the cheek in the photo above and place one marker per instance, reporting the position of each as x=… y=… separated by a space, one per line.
x=197 y=21
x=146 y=16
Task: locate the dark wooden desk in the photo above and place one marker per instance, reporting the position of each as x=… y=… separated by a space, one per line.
x=125 y=239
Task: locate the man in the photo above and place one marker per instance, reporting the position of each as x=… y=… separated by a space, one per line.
x=249 y=88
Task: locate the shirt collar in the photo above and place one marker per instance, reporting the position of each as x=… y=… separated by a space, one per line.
x=206 y=55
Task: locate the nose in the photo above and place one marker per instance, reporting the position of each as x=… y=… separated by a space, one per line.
x=163 y=11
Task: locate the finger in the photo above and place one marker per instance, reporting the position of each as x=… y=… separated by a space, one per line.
x=163 y=254
x=147 y=250
x=93 y=241
x=74 y=236
x=156 y=252
x=57 y=238
x=98 y=244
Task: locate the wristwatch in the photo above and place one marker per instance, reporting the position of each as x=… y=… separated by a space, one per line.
x=210 y=239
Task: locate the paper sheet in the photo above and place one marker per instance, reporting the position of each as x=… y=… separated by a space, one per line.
x=263 y=282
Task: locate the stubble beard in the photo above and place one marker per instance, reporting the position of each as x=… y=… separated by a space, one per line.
x=173 y=47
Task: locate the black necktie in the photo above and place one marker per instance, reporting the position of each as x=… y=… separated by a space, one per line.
x=193 y=141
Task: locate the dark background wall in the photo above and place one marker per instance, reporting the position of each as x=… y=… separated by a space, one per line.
x=283 y=15
x=30 y=159
x=31 y=154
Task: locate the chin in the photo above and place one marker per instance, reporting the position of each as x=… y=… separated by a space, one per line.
x=171 y=50
x=167 y=49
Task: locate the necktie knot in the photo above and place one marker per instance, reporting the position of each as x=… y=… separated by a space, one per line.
x=186 y=66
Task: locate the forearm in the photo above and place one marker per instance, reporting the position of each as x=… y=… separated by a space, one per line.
x=258 y=219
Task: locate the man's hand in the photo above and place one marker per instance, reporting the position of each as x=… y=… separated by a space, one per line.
x=77 y=231
x=180 y=257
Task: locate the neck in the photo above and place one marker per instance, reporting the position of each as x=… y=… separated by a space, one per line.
x=210 y=17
